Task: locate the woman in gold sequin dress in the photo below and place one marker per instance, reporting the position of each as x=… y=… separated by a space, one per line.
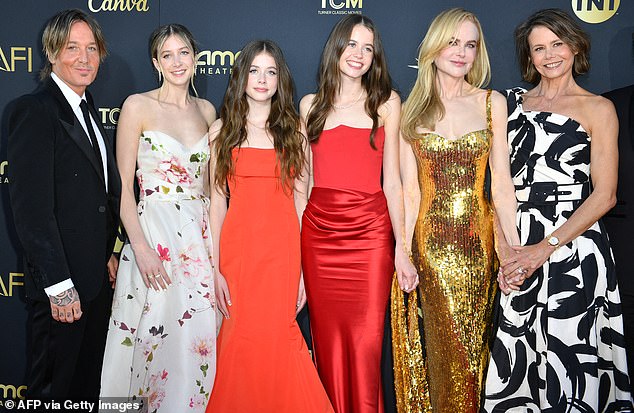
x=451 y=130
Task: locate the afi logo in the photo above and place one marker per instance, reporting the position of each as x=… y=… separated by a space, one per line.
x=14 y=280
x=22 y=55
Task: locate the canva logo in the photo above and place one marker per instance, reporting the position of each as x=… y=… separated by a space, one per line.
x=117 y=5
x=340 y=6
x=13 y=280
x=216 y=62
x=10 y=391
x=595 y=11
x=109 y=117
x=16 y=57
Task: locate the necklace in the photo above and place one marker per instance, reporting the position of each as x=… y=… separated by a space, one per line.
x=350 y=104
x=256 y=126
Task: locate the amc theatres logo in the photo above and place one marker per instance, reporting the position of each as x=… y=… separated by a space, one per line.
x=595 y=11
x=16 y=58
x=216 y=62
x=340 y=7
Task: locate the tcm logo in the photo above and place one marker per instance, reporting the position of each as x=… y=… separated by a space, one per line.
x=595 y=11
x=340 y=7
x=3 y=172
x=109 y=117
x=217 y=62
x=117 y=5
x=14 y=280
x=19 y=57
x=9 y=391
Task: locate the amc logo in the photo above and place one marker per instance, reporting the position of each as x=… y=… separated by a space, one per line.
x=20 y=55
x=9 y=391
x=595 y=11
x=216 y=62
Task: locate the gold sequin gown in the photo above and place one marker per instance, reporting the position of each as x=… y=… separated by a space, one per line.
x=443 y=371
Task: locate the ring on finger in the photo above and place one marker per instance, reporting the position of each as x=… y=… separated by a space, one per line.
x=521 y=270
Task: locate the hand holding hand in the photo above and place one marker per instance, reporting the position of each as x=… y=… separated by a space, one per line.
x=113 y=267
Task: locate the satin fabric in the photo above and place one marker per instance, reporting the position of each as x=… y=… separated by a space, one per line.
x=348 y=260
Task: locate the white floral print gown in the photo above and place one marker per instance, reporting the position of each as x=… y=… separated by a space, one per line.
x=162 y=344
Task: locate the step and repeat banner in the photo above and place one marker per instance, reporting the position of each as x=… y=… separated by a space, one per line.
x=221 y=27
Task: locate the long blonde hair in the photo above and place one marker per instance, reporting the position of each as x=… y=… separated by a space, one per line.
x=423 y=107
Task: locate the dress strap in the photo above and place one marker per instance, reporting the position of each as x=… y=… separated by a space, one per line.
x=489 y=109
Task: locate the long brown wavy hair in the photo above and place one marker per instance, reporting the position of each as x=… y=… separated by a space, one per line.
x=283 y=122
x=376 y=81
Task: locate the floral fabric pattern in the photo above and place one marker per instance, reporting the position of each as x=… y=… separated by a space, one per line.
x=162 y=344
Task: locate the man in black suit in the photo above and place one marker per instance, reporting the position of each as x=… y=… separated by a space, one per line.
x=65 y=199
x=620 y=220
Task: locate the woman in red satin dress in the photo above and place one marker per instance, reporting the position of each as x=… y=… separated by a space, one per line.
x=260 y=153
x=353 y=216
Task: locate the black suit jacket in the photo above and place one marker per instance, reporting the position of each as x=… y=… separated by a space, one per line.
x=620 y=220
x=64 y=217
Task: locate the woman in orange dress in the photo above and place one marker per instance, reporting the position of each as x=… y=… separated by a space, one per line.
x=260 y=155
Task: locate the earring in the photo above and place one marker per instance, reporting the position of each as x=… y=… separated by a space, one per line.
x=160 y=76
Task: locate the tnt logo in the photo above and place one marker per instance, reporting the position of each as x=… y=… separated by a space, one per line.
x=340 y=6
x=16 y=57
x=595 y=11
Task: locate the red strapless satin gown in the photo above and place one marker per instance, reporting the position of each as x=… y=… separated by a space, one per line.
x=348 y=261
x=263 y=363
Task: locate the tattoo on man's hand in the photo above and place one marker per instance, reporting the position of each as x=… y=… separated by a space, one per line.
x=65 y=298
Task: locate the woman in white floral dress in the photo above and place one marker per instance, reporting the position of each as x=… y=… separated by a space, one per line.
x=162 y=334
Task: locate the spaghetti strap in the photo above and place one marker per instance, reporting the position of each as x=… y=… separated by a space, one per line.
x=489 y=109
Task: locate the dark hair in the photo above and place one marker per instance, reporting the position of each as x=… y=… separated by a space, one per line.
x=56 y=34
x=567 y=29
x=283 y=122
x=376 y=81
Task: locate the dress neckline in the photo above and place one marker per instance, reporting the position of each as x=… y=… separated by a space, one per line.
x=520 y=104
x=343 y=125
x=459 y=138
x=189 y=148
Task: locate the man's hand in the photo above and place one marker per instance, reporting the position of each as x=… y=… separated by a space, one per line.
x=65 y=306
x=113 y=267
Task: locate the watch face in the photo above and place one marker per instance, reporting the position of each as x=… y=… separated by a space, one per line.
x=554 y=241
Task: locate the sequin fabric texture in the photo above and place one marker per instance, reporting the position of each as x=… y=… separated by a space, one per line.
x=453 y=251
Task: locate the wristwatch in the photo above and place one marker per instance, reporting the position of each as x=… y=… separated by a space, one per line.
x=553 y=241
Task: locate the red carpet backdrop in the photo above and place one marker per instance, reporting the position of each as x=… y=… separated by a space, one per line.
x=221 y=28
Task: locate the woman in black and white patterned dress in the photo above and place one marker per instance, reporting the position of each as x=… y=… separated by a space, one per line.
x=559 y=346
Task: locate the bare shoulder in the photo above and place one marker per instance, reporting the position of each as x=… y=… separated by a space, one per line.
x=207 y=109
x=214 y=129
x=498 y=101
x=305 y=104
x=389 y=106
